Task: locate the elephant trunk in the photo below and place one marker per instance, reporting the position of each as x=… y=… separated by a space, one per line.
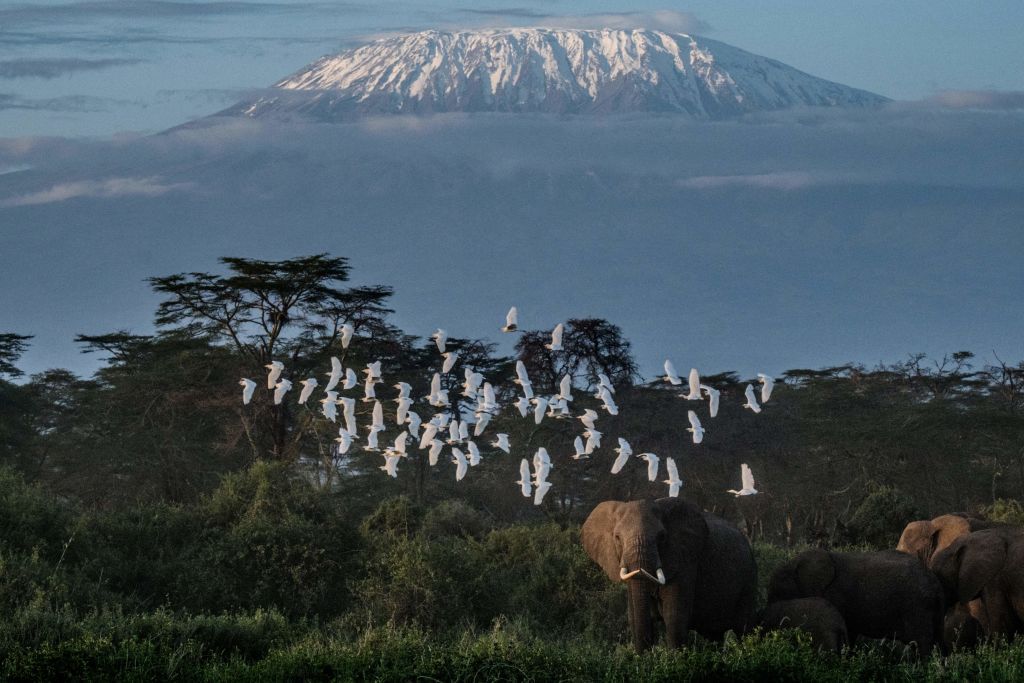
x=641 y=560
x=641 y=623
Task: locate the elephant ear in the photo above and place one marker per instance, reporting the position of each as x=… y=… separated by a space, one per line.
x=687 y=534
x=919 y=539
x=949 y=528
x=815 y=571
x=982 y=558
x=597 y=536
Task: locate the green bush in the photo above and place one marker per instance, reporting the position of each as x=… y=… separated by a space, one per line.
x=1006 y=510
x=880 y=517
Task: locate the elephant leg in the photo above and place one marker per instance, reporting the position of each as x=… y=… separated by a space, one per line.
x=641 y=602
x=675 y=613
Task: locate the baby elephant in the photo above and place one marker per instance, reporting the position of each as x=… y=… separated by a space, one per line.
x=886 y=594
x=816 y=616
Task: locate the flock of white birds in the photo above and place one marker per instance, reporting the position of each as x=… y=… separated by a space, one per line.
x=446 y=428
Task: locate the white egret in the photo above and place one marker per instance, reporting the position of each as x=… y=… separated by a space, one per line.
x=670 y=374
x=436 y=446
x=275 y=368
x=694 y=394
x=540 y=405
x=588 y=418
x=673 y=481
x=334 y=376
x=280 y=389
x=449 y=361
x=440 y=337
x=330 y=405
x=351 y=379
x=369 y=390
x=767 y=384
x=346 y=335
x=652 y=465
x=747 y=479
x=695 y=427
x=474 y=453
x=511 y=320
x=391 y=465
x=502 y=442
x=344 y=441
x=349 y=407
x=308 y=385
x=248 y=387
x=542 y=489
x=713 y=399
x=593 y=441
x=378 y=416
x=429 y=432
x=751 y=399
x=461 y=464
x=581 y=450
x=525 y=483
x=624 y=450
x=523 y=405
x=556 y=338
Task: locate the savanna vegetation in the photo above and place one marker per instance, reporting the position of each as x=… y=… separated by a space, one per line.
x=151 y=526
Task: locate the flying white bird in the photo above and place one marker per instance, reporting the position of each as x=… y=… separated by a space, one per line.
x=334 y=376
x=280 y=389
x=414 y=421
x=542 y=489
x=248 y=387
x=556 y=338
x=474 y=453
x=373 y=371
x=652 y=465
x=330 y=406
x=429 y=432
x=694 y=394
x=670 y=374
x=400 y=442
x=453 y=432
x=695 y=427
x=349 y=406
x=350 y=379
x=403 y=390
x=378 y=416
x=482 y=420
x=346 y=335
x=747 y=479
x=403 y=410
x=502 y=442
x=673 y=481
x=344 y=441
x=463 y=430
x=525 y=483
x=588 y=418
x=609 y=402
x=522 y=378
x=767 y=384
x=275 y=368
x=308 y=385
x=472 y=383
x=371 y=440
x=603 y=381
x=511 y=320
x=581 y=451
x=523 y=405
x=449 y=361
x=565 y=388
x=461 y=464
x=593 y=441
x=391 y=464
x=751 y=399
x=436 y=446
x=624 y=450
x=713 y=397
x=440 y=338
x=369 y=390
x=540 y=458
x=540 y=405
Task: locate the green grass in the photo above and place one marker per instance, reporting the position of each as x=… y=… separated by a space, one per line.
x=263 y=647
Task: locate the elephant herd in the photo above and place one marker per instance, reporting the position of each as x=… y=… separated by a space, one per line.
x=951 y=580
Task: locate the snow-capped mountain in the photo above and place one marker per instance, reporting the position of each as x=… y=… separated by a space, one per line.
x=547 y=70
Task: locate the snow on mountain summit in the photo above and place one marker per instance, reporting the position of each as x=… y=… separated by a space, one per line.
x=547 y=70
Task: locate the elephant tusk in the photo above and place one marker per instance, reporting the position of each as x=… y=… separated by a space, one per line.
x=624 y=575
x=650 y=576
x=661 y=576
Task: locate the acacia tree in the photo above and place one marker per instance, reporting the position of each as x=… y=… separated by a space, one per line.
x=12 y=346
x=589 y=346
x=291 y=310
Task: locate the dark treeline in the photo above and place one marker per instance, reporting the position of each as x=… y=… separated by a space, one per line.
x=150 y=486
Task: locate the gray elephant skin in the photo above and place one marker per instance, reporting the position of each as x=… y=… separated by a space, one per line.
x=692 y=568
x=986 y=568
x=816 y=616
x=885 y=594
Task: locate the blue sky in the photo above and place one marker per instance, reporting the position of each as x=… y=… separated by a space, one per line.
x=782 y=241
x=99 y=67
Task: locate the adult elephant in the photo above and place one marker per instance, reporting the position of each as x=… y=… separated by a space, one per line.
x=964 y=623
x=884 y=594
x=926 y=537
x=694 y=569
x=986 y=568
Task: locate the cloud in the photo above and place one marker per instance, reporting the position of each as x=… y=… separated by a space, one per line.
x=109 y=188
x=783 y=180
x=65 y=103
x=663 y=20
x=52 y=68
x=979 y=99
